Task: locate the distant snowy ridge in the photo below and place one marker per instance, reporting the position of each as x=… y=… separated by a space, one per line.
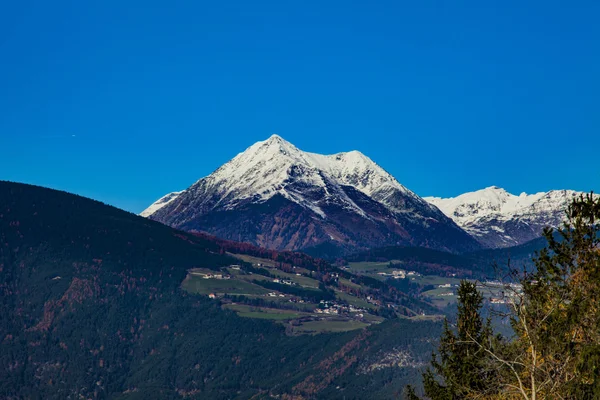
x=498 y=218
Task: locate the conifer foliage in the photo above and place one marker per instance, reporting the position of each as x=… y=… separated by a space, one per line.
x=555 y=316
x=463 y=362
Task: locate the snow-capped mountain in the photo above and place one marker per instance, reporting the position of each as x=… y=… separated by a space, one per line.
x=275 y=195
x=497 y=218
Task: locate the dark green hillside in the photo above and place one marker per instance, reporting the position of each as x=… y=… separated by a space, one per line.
x=519 y=256
x=91 y=307
x=480 y=264
x=423 y=260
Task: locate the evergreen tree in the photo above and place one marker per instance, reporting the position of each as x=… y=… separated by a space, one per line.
x=555 y=353
x=557 y=318
x=463 y=363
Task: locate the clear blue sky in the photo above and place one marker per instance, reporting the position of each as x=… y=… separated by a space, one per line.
x=447 y=96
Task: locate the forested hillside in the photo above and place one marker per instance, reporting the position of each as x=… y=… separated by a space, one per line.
x=91 y=307
x=477 y=265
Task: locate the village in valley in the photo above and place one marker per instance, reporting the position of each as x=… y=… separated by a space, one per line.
x=305 y=301
x=350 y=297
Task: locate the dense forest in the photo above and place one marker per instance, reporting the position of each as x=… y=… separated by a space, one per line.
x=285 y=258
x=91 y=307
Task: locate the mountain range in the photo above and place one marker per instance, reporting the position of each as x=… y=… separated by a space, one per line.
x=101 y=303
x=277 y=196
x=497 y=218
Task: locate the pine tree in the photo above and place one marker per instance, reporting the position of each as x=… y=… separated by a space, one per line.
x=557 y=319
x=463 y=363
x=555 y=353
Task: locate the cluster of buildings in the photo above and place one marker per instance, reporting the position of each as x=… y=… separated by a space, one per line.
x=396 y=274
x=373 y=300
x=296 y=300
x=332 y=308
x=216 y=275
x=284 y=281
x=400 y=274
x=447 y=285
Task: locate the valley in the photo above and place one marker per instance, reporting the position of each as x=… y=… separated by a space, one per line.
x=306 y=301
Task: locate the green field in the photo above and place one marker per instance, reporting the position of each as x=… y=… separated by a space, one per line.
x=435 y=295
x=197 y=284
x=255 y=260
x=326 y=325
x=435 y=280
x=301 y=280
x=364 y=267
x=263 y=313
x=346 y=282
x=373 y=319
x=242 y=284
x=355 y=301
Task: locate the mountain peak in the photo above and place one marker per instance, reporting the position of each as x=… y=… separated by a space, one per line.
x=353 y=155
x=275 y=138
x=274 y=145
x=267 y=167
x=287 y=198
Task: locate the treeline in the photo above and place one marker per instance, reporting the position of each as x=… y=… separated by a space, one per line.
x=286 y=259
x=423 y=260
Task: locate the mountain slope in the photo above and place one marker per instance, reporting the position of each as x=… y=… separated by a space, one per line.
x=497 y=218
x=91 y=307
x=160 y=203
x=481 y=264
x=277 y=196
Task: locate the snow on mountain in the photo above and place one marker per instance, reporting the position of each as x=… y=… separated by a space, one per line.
x=498 y=218
x=344 y=197
x=160 y=203
x=263 y=169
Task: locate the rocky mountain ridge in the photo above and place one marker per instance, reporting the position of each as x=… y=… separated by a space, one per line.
x=497 y=218
x=275 y=195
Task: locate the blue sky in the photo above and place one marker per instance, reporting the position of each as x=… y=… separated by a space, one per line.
x=125 y=103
